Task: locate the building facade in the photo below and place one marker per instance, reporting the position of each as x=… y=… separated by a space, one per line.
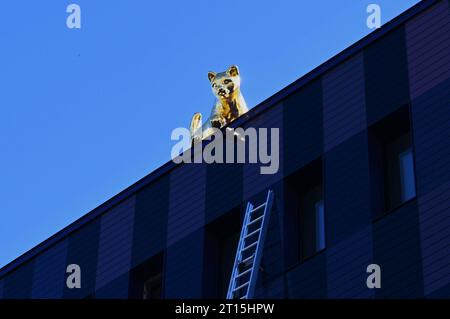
x=367 y=134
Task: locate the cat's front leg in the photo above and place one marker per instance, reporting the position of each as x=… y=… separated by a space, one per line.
x=195 y=127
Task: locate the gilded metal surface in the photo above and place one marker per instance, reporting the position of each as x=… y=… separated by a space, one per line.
x=229 y=105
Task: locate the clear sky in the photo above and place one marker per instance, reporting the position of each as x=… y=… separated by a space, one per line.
x=86 y=113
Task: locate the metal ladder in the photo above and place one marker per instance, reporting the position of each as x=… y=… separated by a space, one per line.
x=249 y=251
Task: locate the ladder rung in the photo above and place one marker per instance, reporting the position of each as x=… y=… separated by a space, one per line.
x=241 y=286
x=255 y=220
x=243 y=273
x=258 y=208
x=247 y=259
x=252 y=233
x=249 y=246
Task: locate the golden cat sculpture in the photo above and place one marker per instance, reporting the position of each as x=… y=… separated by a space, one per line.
x=230 y=103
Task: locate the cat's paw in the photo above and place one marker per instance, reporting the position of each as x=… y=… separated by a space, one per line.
x=217 y=123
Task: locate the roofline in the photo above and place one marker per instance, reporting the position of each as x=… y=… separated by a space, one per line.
x=255 y=111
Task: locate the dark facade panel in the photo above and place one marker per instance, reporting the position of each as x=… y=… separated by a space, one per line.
x=83 y=251
x=1 y=289
x=187 y=201
x=431 y=118
x=150 y=220
x=302 y=123
x=49 y=278
x=273 y=288
x=428 y=46
x=441 y=293
x=347 y=189
x=344 y=109
x=115 y=289
x=18 y=284
x=115 y=244
x=434 y=209
x=223 y=189
x=309 y=279
x=348 y=218
x=396 y=242
x=347 y=262
x=184 y=267
x=254 y=181
x=386 y=75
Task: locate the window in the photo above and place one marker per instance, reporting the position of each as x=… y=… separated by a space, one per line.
x=311 y=222
x=400 y=172
x=392 y=163
x=220 y=246
x=305 y=213
x=408 y=183
x=320 y=225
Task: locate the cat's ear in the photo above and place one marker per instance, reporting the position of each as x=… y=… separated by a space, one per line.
x=233 y=70
x=211 y=76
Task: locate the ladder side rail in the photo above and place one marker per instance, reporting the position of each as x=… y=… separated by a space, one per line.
x=260 y=245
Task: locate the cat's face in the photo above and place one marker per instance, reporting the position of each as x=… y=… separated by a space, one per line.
x=225 y=85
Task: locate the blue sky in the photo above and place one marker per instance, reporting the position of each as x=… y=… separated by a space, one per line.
x=85 y=113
